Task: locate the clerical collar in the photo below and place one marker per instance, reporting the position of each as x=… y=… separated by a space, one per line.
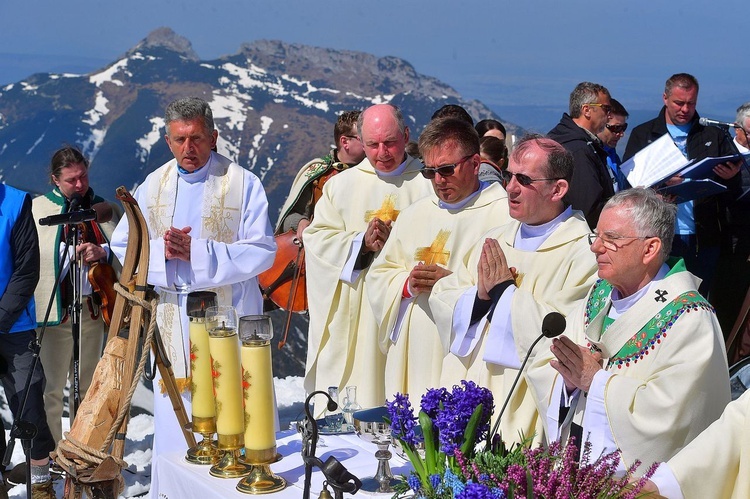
x=460 y=204
x=198 y=175
x=393 y=173
x=531 y=237
x=622 y=305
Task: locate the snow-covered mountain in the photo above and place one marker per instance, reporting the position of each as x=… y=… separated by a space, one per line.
x=274 y=104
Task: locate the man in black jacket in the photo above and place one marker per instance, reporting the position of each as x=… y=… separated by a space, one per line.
x=592 y=184
x=699 y=231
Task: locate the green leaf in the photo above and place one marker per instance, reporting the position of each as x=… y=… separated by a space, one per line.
x=470 y=435
x=430 y=452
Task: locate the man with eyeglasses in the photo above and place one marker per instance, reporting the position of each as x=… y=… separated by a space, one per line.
x=642 y=367
x=426 y=244
x=493 y=304
x=610 y=136
x=353 y=220
x=592 y=182
x=699 y=233
x=742 y=128
x=297 y=211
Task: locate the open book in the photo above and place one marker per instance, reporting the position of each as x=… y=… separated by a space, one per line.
x=662 y=159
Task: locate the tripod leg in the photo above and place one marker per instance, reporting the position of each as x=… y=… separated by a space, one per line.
x=167 y=377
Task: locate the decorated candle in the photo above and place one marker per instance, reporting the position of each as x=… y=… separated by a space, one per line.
x=227 y=380
x=257 y=382
x=201 y=385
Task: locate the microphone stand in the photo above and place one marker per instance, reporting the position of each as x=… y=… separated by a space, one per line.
x=337 y=476
x=496 y=426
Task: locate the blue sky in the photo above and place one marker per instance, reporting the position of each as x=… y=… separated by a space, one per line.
x=503 y=53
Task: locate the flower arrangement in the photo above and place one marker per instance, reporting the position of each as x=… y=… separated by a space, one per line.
x=454 y=422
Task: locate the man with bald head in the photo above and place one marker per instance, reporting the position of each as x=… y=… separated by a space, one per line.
x=353 y=220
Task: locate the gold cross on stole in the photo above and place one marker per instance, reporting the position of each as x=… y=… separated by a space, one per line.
x=387 y=211
x=436 y=252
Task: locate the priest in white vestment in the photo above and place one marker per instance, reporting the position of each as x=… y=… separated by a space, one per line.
x=643 y=369
x=716 y=464
x=429 y=240
x=353 y=219
x=492 y=307
x=209 y=230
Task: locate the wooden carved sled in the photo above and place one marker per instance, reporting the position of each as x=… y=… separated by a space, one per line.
x=91 y=453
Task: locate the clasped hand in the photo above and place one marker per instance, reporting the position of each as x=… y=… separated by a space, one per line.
x=376 y=235
x=423 y=277
x=576 y=364
x=492 y=268
x=177 y=243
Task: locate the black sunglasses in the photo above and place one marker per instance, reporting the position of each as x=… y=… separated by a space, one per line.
x=522 y=179
x=444 y=170
x=617 y=128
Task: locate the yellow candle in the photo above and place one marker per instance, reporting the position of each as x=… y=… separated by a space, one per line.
x=257 y=383
x=200 y=370
x=225 y=362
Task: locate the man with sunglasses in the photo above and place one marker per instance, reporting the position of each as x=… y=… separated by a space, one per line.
x=610 y=136
x=353 y=220
x=426 y=244
x=592 y=182
x=642 y=367
x=493 y=304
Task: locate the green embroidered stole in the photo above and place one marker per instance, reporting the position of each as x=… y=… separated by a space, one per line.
x=654 y=331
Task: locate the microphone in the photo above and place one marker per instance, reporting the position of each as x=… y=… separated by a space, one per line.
x=553 y=325
x=103 y=211
x=71 y=217
x=720 y=124
x=75 y=202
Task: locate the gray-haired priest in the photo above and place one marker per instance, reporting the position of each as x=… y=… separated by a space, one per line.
x=643 y=368
x=208 y=225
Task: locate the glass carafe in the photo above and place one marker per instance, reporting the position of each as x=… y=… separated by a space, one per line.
x=350 y=406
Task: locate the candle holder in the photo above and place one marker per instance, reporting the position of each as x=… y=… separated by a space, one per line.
x=221 y=322
x=201 y=385
x=255 y=333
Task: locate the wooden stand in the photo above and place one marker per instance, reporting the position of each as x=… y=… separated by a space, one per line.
x=91 y=453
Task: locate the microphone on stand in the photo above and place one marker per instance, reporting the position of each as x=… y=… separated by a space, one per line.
x=553 y=325
x=75 y=202
x=103 y=211
x=720 y=124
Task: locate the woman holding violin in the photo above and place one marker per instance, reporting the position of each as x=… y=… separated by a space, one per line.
x=69 y=175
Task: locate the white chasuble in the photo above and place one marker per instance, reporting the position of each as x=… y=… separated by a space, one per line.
x=717 y=463
x=668 y=370
x=342 y=344
x=428 y=234
x=554 y=277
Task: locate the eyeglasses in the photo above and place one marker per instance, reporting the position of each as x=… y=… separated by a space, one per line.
x=522 y=179
x=605 y=107
x=609 y=241
x=443 y=170
x=617 y=128
x=352 y=137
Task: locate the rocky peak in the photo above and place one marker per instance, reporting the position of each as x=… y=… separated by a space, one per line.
x=166 y=38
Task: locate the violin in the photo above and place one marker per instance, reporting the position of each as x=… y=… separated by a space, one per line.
x=284 y=283
x=102 y=277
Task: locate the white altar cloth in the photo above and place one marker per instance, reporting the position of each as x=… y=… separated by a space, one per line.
x=175 y=478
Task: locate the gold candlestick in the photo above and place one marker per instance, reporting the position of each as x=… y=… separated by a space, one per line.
x=257 y=382
x=203 y=407
x=221 y=322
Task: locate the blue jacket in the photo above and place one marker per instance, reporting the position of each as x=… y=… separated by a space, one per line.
x=19 y=261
